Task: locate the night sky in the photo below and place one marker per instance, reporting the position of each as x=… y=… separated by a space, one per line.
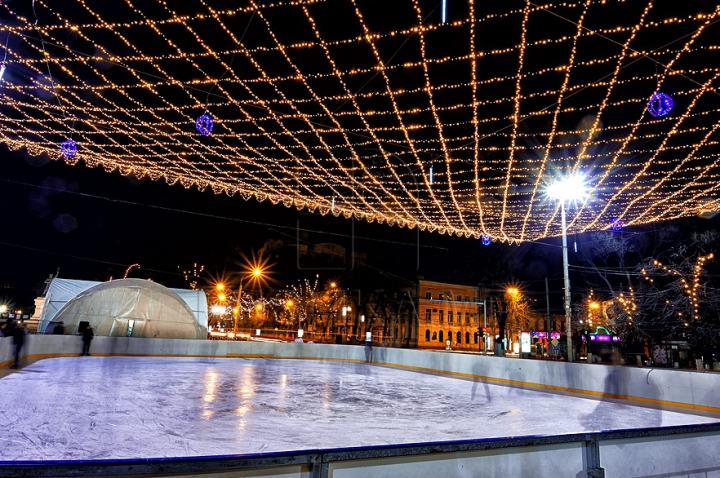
x=92 y=225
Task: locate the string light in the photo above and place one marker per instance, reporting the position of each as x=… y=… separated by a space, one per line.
x=690 y=286
x=450 y=137
x=486 y=239
x=616 y=224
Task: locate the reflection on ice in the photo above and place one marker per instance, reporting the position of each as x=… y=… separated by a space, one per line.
x=127 y=407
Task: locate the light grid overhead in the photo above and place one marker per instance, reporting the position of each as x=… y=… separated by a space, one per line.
x=379 y=110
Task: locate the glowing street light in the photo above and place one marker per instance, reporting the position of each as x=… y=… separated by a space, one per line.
x=220 y=287
x=3 y=309
x=513 y=291
x=255 y=274
x=570 y=188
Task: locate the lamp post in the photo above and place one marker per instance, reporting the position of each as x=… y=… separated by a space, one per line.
x=289 y=303
x=255 y=274
x=345 y=311
x=483 y=330
x=567 y=189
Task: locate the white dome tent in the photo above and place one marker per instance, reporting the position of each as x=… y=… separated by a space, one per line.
x=126 y=307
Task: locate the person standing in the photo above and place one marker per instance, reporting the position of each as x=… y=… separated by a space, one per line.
x=19 y=340
x=7 y=327
x=59 y=329
x=87 y=335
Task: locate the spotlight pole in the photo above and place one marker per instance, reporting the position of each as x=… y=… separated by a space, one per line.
x=568 y=312
x=566 y=189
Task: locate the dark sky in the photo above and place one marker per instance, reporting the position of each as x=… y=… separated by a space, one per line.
x=92 y=225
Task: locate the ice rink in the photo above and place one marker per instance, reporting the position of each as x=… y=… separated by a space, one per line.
x=133 y=407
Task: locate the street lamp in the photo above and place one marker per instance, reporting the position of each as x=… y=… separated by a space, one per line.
x=567 y=189
x=289 y=305
x=255 y=274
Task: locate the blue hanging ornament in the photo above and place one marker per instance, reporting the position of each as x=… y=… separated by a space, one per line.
x=204 y=124
x=68 y=148
x=486 y=239
x=660 y=104
x=616 y=224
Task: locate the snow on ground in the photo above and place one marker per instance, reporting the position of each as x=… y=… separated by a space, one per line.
x=141 y=407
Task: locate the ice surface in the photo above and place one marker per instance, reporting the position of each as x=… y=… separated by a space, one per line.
x=132 y=407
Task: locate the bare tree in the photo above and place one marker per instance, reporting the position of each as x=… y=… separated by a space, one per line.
x=676 y=298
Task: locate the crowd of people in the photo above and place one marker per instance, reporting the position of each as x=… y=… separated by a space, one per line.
x=18 y=331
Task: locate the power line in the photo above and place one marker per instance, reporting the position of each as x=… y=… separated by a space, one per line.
x=223 y=218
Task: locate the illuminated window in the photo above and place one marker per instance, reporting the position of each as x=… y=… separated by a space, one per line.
x=441 y=317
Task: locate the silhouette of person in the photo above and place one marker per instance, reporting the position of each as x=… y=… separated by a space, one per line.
x=87 y=335
x=19 y=341
x=7 y=327
x=59 y=329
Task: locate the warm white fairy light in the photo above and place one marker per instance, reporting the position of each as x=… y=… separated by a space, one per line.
x=691 y=285
x=341 y=124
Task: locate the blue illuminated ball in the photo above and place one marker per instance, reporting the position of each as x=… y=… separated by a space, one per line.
x=486 y=239
x=68 y=148
x=660 y=104
x=616 y=224
x=204 y=124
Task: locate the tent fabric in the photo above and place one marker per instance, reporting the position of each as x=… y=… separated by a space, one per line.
x=197 y=301
x=156 y=311
x=59 y=292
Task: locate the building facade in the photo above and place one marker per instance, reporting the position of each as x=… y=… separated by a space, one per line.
x=448 y=312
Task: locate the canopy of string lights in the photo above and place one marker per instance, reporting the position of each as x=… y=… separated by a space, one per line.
x=446 y=115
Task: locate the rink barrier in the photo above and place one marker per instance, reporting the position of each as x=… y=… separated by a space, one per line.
x=689 y=450
x=672 y=389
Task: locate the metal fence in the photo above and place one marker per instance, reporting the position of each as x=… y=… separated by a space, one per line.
x=584 y=450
